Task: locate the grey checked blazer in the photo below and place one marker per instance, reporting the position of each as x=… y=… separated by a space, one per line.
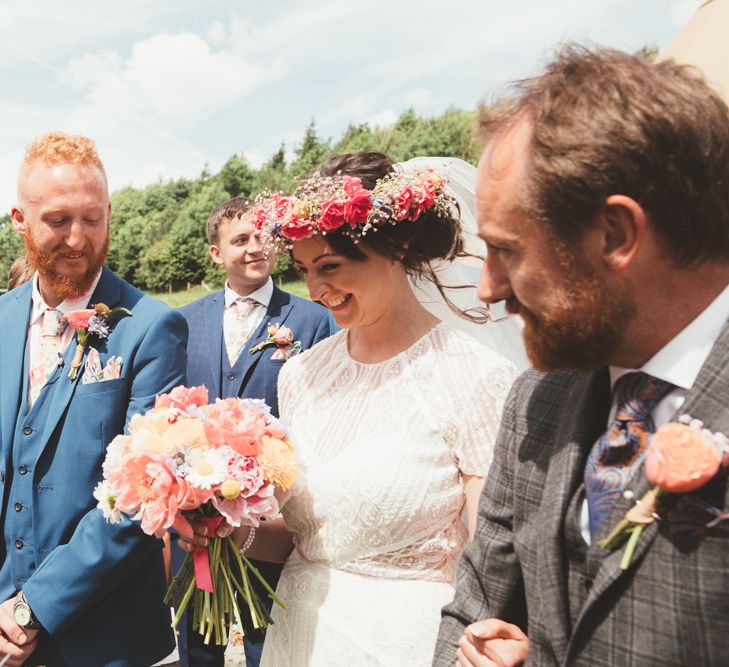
x=671 y=607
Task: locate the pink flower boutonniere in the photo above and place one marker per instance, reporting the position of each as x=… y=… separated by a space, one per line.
x=682 y=456
x=90 y=322
x=283 y=339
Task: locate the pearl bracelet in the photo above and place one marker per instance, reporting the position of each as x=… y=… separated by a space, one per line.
x=249 y=540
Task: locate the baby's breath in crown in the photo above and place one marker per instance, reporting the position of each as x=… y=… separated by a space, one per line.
x=324 y=204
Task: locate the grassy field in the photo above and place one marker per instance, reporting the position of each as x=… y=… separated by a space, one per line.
x=177 y=299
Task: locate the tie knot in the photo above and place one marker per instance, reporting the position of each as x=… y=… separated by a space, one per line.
x=54 y=323
x=637 y=394
x=244 y=302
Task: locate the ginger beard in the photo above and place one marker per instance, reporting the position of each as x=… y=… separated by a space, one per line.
x=64 y=286
x=583 y=334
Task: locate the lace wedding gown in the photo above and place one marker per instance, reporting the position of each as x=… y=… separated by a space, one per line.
x=377 y=527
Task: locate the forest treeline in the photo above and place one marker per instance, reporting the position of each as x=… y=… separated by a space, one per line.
x=158 y=232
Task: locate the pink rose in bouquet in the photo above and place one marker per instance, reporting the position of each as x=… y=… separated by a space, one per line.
x=186 y=459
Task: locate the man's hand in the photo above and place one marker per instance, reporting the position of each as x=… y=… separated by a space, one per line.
x=492 y=643
x=19 y=643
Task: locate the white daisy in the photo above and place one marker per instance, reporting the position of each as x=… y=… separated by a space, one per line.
x=205 y=468
x=106 y=495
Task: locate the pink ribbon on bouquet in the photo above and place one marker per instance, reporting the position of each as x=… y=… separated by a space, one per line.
x=200 y=559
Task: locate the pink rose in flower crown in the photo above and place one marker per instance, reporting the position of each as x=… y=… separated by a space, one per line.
x=358 y=207
x=352 y=185
x=681 y=459
x=79 y=319
x=259 y=217
x=295 y=229
x=283 y=336
x=332 y=215
x=404 y=203
x=282 y=206
x=182 y=398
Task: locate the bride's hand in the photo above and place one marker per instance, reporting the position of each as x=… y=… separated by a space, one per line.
x=200 y=537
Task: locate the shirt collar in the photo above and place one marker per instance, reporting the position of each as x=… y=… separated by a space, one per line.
x=262 y=295
x=39 y=304
x=681 y=359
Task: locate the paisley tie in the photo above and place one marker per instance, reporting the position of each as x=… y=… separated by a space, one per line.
x=46 y=353
x=236 y=326
x=619 y=452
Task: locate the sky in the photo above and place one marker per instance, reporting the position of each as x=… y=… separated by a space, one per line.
x=165 y=88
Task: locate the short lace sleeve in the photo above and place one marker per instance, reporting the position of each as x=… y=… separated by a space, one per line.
x=479 y=386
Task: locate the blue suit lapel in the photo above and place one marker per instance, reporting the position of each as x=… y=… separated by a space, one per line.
x=12 y=354
x=108 y=291
x=214 y=319
x=278 y=310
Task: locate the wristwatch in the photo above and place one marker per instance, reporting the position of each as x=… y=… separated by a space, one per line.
x=24 y=614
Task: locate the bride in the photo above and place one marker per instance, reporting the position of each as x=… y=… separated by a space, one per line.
x=396 y=414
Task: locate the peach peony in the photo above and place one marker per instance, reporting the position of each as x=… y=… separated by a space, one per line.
x=183 y=397
x=681 y=459
x=151 y=490
x=278 y=462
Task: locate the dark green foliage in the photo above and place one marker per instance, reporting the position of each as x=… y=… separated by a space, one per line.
x=158 y=232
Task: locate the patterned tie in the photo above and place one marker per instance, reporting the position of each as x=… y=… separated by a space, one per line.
x=619 y=452
x=236 y=326
x=47 y=351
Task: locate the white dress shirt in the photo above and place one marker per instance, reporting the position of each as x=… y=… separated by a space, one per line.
x=678 y=362
x=262 y=297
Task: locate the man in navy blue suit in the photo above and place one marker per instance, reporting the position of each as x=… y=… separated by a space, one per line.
x=223 y=354
x=74 y=589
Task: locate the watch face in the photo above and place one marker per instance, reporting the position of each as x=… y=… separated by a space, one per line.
x=22 y=615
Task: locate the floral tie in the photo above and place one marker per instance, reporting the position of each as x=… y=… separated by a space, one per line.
x=236 y=326
x=47 y=351
x=619 y=452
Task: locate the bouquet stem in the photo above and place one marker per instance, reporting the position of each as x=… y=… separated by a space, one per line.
x=213 y=613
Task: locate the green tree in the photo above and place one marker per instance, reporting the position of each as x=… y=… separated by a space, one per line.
x=309 y=154
x=188 y=249
x=11 y=247
x=237 y=177
x=273 y=175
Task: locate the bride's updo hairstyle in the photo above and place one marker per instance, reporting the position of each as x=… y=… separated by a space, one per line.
x=414 y=244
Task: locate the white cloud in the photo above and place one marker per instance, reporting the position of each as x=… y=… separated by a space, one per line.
x=382 y=118
x=168 y=76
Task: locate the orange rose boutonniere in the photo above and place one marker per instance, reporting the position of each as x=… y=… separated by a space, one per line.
x=682 y=456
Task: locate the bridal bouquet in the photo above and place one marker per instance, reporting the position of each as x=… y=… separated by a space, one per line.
x=186 y=459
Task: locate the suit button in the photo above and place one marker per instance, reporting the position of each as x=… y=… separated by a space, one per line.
x=17 y=507
x=22 y=470
x=27 y=430
x=19 y=543
x=231 y=376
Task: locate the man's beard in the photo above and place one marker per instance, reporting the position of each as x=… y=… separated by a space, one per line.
x=583 y=334
x=61 y=285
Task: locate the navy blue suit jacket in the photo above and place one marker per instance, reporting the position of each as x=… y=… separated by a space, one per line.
x=96 y=587
x=254 y=375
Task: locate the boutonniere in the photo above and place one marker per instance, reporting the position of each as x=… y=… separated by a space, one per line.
x=283 y=339
x=90 y=322
x=682 y=456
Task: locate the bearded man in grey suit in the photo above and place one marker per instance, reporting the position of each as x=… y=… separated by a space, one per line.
x=603 y=200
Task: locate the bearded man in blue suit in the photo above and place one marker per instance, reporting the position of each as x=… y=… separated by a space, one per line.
x=225 y=354
x=76 y=589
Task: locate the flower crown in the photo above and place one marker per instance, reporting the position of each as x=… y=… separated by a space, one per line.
x=324 y=204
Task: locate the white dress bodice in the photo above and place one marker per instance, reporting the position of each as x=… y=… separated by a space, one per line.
x=384 y=448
